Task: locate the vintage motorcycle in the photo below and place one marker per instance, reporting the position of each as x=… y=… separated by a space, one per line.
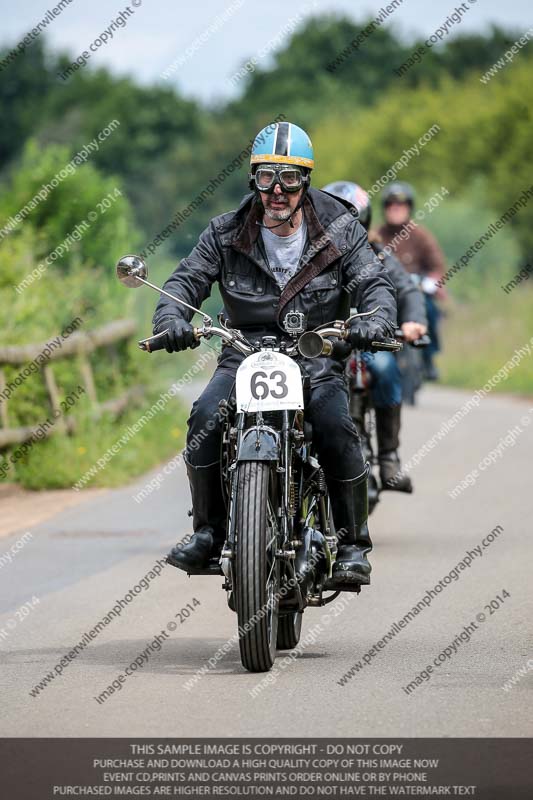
x=280 y=539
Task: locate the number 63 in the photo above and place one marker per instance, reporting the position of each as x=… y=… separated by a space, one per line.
x=260 y=389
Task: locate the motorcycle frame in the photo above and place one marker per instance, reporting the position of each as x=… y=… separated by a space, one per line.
x=288 y=452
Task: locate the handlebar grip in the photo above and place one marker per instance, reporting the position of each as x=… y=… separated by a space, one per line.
x=155 y=342
x=158 y=342
x=424 y=341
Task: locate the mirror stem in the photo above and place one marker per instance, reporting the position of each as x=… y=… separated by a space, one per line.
x=206 y=317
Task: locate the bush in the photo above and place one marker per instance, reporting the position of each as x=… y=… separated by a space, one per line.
x=80 y=285
x=61 y=461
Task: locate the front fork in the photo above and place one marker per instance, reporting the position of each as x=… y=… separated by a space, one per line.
x=232 y=440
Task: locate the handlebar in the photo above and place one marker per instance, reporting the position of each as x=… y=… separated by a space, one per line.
x=132 y=271
x=311 y=344
x=236 y=339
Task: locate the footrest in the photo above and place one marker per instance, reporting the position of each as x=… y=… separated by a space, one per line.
x=213 y=568
x=355 y=587
x=338 y=586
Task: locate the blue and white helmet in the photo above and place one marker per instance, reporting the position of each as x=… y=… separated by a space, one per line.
x=282 y=143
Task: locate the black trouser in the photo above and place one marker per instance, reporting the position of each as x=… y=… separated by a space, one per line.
x=335 y=436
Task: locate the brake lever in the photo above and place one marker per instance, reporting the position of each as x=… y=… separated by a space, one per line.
x=388 y=345
x=362 y=314
x=144 y=344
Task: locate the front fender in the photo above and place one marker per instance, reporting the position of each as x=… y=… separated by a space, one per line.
x=259 y=445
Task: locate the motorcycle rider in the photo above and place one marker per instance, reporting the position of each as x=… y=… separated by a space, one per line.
x=287 y=248
x=383 y=366
x=420 y=254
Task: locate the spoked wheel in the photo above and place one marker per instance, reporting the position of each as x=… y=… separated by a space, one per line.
x=256 y=567
x=289 y=630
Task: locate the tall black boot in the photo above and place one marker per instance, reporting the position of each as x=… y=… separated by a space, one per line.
x=430 y=371
x=208 y=518
x=349 y=504
x=388 y=422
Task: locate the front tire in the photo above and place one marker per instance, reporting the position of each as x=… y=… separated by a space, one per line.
x=256 y=567
x=289 y=630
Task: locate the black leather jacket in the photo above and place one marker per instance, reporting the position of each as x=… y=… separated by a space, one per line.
x=337 y=263
x=409 y=298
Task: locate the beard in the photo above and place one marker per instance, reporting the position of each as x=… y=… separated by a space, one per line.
x=278 y=215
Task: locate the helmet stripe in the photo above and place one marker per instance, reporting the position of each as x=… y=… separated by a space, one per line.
x=282 y=137
x=275 y=137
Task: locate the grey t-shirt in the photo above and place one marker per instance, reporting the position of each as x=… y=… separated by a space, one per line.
x=284 y=252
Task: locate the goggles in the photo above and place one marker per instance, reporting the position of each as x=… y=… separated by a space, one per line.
x=398 y=198
x=291 y=179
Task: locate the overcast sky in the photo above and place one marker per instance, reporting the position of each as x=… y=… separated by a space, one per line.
x=160 y=31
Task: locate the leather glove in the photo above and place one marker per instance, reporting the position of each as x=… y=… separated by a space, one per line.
x=180 y=334
x=365 y=331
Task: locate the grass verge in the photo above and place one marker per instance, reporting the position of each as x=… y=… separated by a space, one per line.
x=479 y=338
x=60 y=461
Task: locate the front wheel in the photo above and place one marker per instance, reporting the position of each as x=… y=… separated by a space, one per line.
x=256 y=566
x=289 y=630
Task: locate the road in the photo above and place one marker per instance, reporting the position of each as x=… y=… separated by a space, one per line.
x=81 y=561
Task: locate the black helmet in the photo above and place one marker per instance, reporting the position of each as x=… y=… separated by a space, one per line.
x=355 y=195
x=398 y=192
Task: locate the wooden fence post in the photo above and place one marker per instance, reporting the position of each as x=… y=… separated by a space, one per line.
x=4 y=418
x=53 y=394
x=88 y=380
x=80 y=345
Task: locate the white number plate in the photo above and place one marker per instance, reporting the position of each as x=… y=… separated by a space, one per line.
x=268 y=381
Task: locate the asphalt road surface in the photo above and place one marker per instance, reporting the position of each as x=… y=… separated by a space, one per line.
x=79 y=563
